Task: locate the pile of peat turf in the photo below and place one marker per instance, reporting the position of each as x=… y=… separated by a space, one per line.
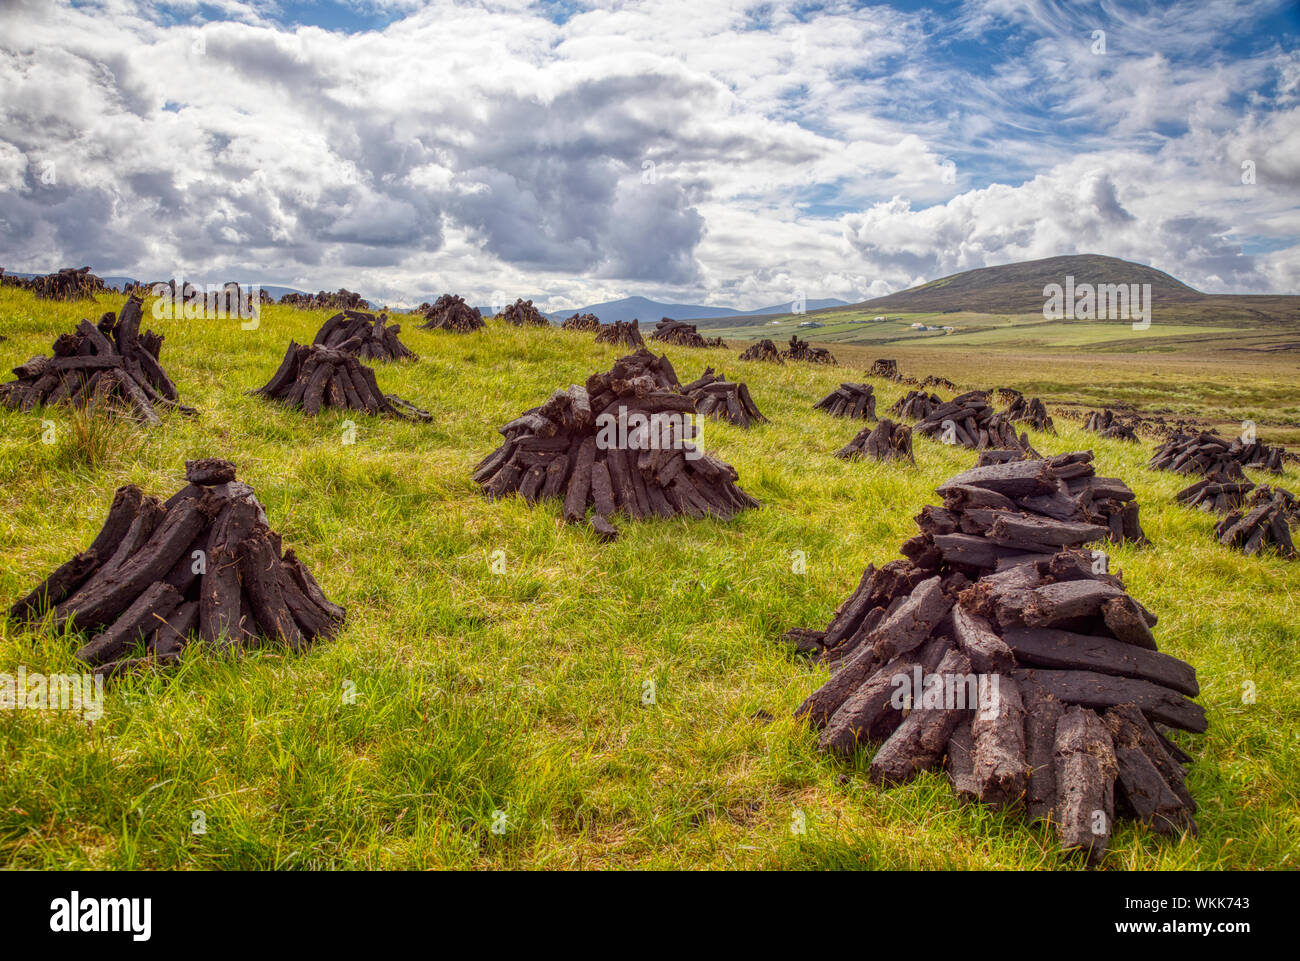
x=850 y=400
x=763 y=350
x=624 y=442
x=915 y=405
x=885 y=441
x=968 y=419
x=313 y=378
x=450 y=312
x=671 y=331
x=804 y=351
x=70 y=283
x=110 y=366
x=1031 y=677
x=203 y=566
x=1264 y=520
x=1206 y=454
x=341 y=299
x=365 y=335
x=584 y=322
x=620 y=333
x=1107 y=424
x=1028 y=410
x=717 y=397
x=522 y=313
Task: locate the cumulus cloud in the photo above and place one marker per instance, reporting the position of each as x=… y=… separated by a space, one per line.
x=728 y=151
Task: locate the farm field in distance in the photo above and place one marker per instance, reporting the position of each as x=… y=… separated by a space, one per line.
x=520 y=689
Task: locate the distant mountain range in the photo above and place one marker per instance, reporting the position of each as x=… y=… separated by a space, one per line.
x=650 y=311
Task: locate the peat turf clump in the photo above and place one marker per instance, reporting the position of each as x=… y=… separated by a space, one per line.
x=803 y=351
x=450 y=312
x=1030 y=677
x=621 y=333
x=763 y=350
x=522 y=313
x=885 y=441
x=312 y=378
x=1109 y=424
x=671 y=331
x=364 y=335
x=111 y=366
x=341 y=299
x=202 y=567
x=915 y=405
x=717 y=397
x=1264 y=520
x=1212 y=456
x=1027 y=410
x=969 y=420
x=583 y=322
x=623 y=442
x=850 y=400
x=70 y=283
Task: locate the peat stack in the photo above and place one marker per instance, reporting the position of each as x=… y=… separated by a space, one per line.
x=450 y=312
x=1203 y=454
x=885 y=441
x=110 y=366
x=719 y=398
x=763 y=350
x=1034 y=682
x=341 y=299
x=1258 y=456
x=589 y=323
x=1107 y=424
x=802 y=350
x=70 y=283
x=1265 y=520
x=313 y=378
x=968 y=419
x=1220 y=494
x=850 y=400
x=1028 y=410
x=621 y=333
x=915 y=405
x=203 y=567
x=364 y=335
x=522 y=313
x=671 y=331
x=888 y=369
x=935 y=381
x=624 y=442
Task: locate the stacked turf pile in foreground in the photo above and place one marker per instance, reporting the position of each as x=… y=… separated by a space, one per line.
x=849 y=400
x=624 y=442
x=110 y=366
x=365 y=335
x=1040 y=684
x=204 y=564
x=719 y=398
x=450 y=312
x=313 y=378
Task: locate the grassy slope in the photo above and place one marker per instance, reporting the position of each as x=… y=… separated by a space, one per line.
x=522 y=691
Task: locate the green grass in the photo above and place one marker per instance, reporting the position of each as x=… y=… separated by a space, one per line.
x=522 y=692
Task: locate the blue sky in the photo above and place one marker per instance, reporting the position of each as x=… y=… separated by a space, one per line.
x=692 y=150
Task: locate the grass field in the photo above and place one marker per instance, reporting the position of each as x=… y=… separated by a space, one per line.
x=522 y=692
